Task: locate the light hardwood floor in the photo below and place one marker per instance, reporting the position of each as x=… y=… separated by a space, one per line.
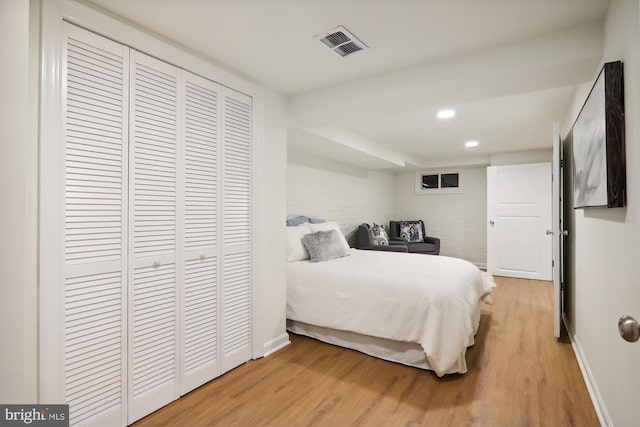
x=518 y=375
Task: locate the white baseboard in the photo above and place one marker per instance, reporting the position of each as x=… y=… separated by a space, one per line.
x=592 y=387
x=276 y=344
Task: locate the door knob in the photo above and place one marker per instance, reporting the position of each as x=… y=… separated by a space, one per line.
x=549 y=232
x=629 y=329
x=491 y=223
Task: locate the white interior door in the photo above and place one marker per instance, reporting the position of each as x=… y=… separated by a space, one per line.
x=519 y=216
x=236 y=229
x=95 y=228
x=153 y=208
x=200 y=182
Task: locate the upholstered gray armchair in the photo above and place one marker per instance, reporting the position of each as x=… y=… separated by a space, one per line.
x=364 y=242
x=428 y=245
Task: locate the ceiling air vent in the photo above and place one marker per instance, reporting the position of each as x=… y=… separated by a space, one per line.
x=341 y=41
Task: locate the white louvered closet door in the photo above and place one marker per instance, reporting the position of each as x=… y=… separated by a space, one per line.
x=95 y=82
x=157 y=255
x=236 y=238
x=200 y=290
x=153 y=235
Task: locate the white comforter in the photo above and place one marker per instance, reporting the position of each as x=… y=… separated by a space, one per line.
x=426 y=299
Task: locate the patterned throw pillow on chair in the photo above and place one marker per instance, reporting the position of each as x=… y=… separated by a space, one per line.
x=411 y=232
x=378 y=235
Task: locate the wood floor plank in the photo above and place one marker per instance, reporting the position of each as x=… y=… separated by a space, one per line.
x=518 y=375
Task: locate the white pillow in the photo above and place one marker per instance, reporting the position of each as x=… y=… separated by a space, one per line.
x=295 y=249
x=326 y=226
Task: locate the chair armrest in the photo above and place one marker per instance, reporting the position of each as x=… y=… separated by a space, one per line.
x=363 y=235
x=432 y=240
x=435 y=241
x=385 y=248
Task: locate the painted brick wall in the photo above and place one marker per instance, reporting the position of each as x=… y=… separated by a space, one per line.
x=338 y=192
x=350 y=196
x=459 y=220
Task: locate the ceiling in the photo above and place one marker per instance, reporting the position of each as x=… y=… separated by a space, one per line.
x=509 y=68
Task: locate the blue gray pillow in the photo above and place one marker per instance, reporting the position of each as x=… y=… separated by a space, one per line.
x=324 y=245
x=297 y=220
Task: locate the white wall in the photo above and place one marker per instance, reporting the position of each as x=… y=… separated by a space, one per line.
x=459 y=220
x=18 y=202
x=605 y=248
x=338 y=192
x=522 y=157
x=272 y=256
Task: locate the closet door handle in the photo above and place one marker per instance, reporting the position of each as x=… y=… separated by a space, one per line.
x=202 y=257
x=156 y=263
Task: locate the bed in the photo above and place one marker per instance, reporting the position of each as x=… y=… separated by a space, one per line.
x=419 y=310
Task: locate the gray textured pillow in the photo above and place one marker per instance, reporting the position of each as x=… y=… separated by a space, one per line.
x=324 y=245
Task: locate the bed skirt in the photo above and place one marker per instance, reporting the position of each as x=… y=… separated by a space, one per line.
x=406 y=353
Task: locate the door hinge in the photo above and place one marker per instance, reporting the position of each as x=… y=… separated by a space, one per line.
x=553 y=263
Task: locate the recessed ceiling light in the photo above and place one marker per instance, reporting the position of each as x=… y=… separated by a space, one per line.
x=471 y=144
x=446 y=114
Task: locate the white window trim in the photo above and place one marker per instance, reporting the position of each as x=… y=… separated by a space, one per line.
x=439 y=191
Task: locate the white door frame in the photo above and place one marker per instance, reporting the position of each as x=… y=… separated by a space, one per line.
x=557 y=229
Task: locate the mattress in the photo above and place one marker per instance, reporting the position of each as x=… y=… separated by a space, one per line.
x=432 y=302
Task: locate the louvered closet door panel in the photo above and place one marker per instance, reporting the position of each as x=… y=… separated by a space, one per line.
x=153 y=204
x=199 y=337
x=95 y=140
x=237 y=168
x=236 y=239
